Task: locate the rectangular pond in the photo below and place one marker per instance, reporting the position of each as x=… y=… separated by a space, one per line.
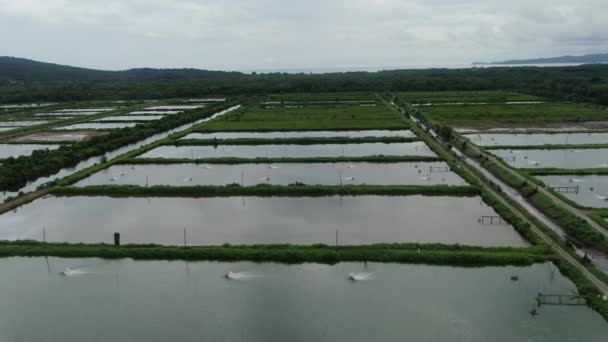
x=175 y=107
x=560 y=158
x=153 y=300
x=537 y=139
x=417 y=148
x=260 y=220
x=279 y=174
x=132 y=118
x=154 y=112
x=58 y=136
x=17 y=150
x=84 y=110
x=21 y=123
x=301 y=134
x=98 y=125
x=588 y=191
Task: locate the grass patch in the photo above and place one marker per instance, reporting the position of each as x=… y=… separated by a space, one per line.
x=296 y=189
x=432 y=254
x=256 y=117
x=514 y=114
x=545 y=147
x=439 y=97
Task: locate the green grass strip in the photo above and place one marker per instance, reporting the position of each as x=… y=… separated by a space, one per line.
x=268 y=190
x=433 y=254
x=545 y=147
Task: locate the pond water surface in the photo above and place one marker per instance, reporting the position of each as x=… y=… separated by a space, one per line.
x=258 y=220
x=98 y=125
x=278 y=173
x=417 y=148
x=588 y=191
x=132 y=118
x=126 y=300
x=301 y=134
x=538 y=139
x=561 y=158
x=17 y=150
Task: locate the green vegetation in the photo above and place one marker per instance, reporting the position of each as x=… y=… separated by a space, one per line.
x=564 y=172
x=25 y=81
x=544 y=147
x=16 y=172
x=577 y=228
x=539 y=114
x=255 y=117
x=445 y=97
x=294 y=141
x=435 y=254
x=585 y=288
x=296 y=189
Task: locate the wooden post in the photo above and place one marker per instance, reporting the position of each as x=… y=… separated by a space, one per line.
x=336 y=238
x=43 y=234
x=117 y=239
x=146 y=181
x=185 y=238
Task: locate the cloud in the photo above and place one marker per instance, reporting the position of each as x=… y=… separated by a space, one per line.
x=245 y=34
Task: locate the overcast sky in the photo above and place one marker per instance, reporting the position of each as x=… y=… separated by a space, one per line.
x=279 y=34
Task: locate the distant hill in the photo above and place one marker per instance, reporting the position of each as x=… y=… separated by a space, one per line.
x=586 y=59
x=21 y=69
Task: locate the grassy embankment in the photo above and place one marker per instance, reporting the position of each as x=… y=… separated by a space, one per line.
x=268 y=190
x=256 y=117
x=443 y=97
x=584 y=286
x=436 y=254
x=546 y=147
x=535 y=114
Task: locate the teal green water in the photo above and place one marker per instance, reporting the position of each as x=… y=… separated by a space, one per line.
x=125 y=300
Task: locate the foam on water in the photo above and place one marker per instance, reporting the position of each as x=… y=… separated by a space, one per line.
x=360 y=276
x=239 y=275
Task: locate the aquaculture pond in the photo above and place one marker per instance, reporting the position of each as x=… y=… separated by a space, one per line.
x=588 y=191
x=278 y=173
x=98 y=125
x=417 y=148
x=132 y=118
x=505 y=139
x=31 y=186
x=301 y=134
x=21 y=123
x=260 y=220
x=561 y=158
x=154 y=112
x=277 y=302
x=17 y=150
x=58 y=136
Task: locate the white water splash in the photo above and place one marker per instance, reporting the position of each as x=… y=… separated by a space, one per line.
x=576 y=180
x=71 y=272
x=238 y=275
x=360 y=276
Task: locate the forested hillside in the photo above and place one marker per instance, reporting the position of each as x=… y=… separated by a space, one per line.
x=24 y=80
